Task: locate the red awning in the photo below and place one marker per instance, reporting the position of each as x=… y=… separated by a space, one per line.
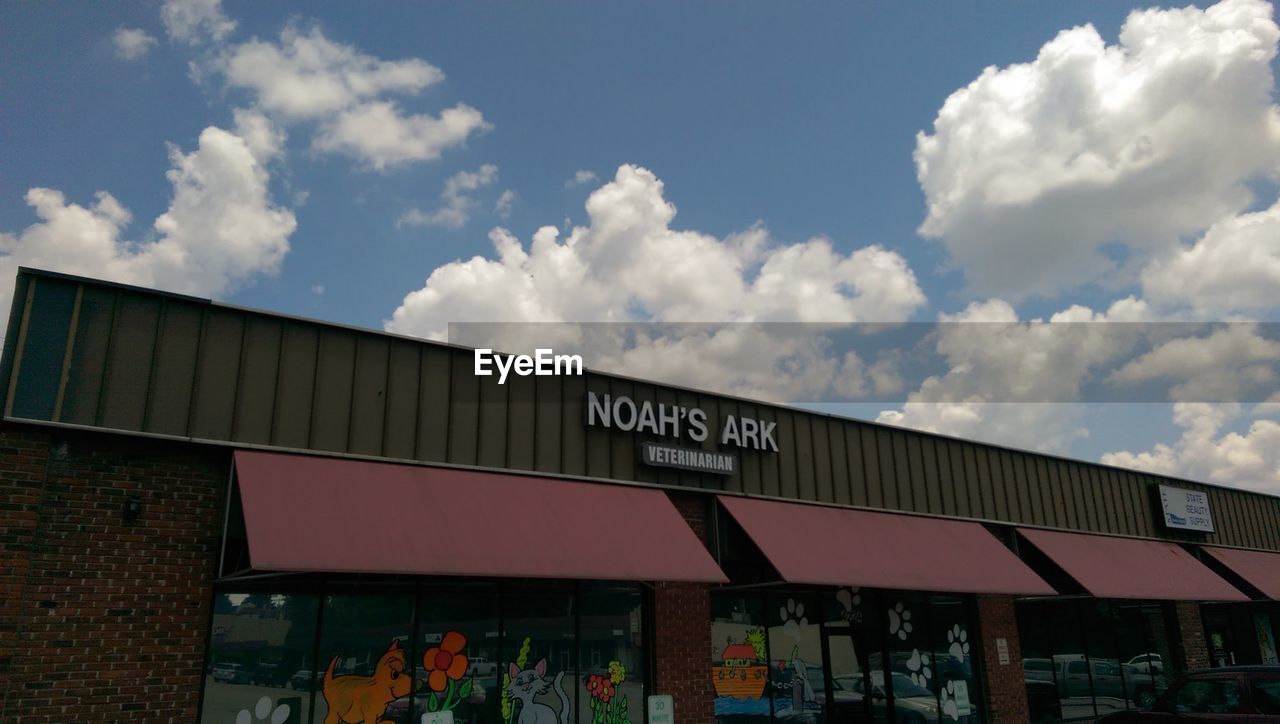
x=1260 y=568
x=1110 y=567
x=307 y=513
x=823 y=545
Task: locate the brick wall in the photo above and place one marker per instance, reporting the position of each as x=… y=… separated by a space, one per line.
x=101 y=620
x=682 y=631
x=1192 y=649
x=1006 y=690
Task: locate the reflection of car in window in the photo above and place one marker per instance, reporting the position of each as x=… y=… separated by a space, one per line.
x=911 y=703
x=301 y=679
x=1228 y=694
x=1147 y=663
x=227 y=673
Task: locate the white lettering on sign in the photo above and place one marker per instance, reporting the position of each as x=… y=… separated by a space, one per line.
x=543 y=363
x=705 y=461
x=623 y=413
x=1186 y=509
x=662 y=710
x=1002 y=650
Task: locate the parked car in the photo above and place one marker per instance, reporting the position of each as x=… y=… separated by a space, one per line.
x=301 y=679
x=227 y=673
x=398 y=711
x=1148 y=663
x=265 y=673
x=911 y=703
x=481 y=667
x=1245 y=694
x=1081 y=681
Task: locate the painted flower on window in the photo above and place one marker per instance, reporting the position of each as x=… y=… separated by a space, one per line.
x=446 y=667
x=607 y=706
x=600 y=687
x=446 y=661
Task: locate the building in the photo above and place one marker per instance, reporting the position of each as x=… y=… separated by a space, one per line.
x=220 y=515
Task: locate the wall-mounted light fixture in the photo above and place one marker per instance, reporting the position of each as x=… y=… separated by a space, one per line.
x=132 y=509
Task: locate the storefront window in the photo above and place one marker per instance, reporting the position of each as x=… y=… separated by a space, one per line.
x=956 y=681
x=1243 y=633
x=457 y=669
x=260 y=665
x=611 y=670
x=539 y=654
x=739 y=658
x=365 y=667
x=1099 y=656
x=795 y=650
x=912 y=659
x=483 y=651
x=844 y=655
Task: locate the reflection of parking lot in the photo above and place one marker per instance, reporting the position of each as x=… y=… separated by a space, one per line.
x=222 y=702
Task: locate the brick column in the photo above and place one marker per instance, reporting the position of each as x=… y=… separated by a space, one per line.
x=104 y=619
x=682 y=631
x=1005 y=686
x=1190 y=648
x=23 y=461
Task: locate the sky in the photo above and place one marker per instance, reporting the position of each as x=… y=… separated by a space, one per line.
x=1057 y=171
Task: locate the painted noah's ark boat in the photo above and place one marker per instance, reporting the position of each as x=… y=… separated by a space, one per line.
x=739 y=676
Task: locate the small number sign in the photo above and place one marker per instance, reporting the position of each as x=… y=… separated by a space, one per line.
x=661 y=709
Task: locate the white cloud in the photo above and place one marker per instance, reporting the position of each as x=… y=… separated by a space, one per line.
x=195 y=21
x=305 y=76
x=1031 y=168
x=317 y=289
x=580 y=178
x=131 y=43
x=628 y=264
x=308 y=76
x=456 y=200
x=264 y=138
x=1233 y=268
x=1006 y=379
x=220 y=231
x=1227 y=364
x=502 y=207
x=380 y=135
x=1206 y=451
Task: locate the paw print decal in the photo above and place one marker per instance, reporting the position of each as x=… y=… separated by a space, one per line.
x=263 y=712
x=793 y=618
x=899 y=622
x=958 y=639
x=850 y=601
x=918 y=669
x=950 y=708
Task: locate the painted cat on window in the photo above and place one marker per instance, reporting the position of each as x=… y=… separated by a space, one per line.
x=364 y=699
x=527 y=685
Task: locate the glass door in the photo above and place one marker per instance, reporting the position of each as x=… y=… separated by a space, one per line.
x=850 y=694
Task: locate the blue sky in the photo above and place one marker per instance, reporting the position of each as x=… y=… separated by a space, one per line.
x=801 y=120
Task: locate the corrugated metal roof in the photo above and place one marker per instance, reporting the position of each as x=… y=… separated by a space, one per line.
x=91 y=354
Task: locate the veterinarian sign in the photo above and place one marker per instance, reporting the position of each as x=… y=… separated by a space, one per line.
x=620 y=412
